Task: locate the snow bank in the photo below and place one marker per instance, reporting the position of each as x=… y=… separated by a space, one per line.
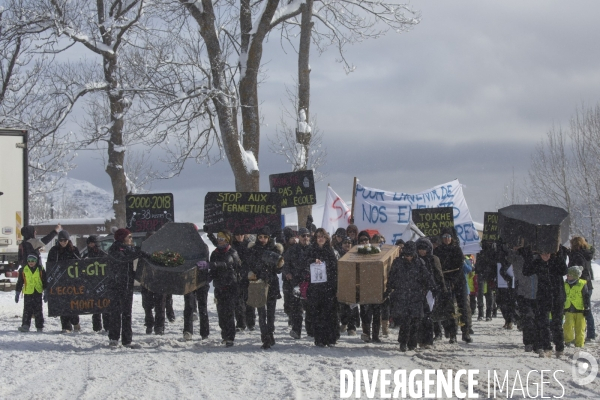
x=82 y=366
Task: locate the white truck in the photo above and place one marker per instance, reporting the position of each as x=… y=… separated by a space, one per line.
x=13 y=195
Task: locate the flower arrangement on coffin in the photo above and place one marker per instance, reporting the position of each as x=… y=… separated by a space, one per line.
x=368 y=249
x=167 y=258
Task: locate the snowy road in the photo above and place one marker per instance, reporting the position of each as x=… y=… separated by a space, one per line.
x=50 y=365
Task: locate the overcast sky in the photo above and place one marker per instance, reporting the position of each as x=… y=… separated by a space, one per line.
x=466 y=94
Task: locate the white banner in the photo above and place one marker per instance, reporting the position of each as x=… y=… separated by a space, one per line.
x=390 y=212
x=335 y=213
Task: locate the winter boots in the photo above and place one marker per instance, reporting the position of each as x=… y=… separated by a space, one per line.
x=77 y=328
x=23 y=328
x=343 y=328
x=294 y=334
x=466 y=337
x=187 y=336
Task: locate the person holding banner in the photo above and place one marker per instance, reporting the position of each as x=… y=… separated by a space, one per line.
x=322 y=289
x=100 y=320
x=452 y=260
x=245 y=315
x=31 y=245
x=370 y=314
x=262 y=266
x=121 y=255
x=65 y=250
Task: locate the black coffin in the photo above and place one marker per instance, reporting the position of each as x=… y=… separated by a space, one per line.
x=182 y=238
x=542 y=227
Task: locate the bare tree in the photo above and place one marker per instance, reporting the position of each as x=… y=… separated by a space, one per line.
x=25 y=103
x=100 y=85
x=209 y=80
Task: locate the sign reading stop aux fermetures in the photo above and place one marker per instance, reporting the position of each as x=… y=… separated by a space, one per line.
x=80 y=287
x=242 y=212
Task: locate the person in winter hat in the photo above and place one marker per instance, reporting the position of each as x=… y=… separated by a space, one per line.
x=452 y=260
x=121 y=255
x=581 y=253
x=577 y=304
x=258 y=268
x=31 y=245
x=99 y=320
x=224 y=272
x=296 y=273
x=430 y=331
x=197 y=301
x=550 y=298
x=32 y=283
x=407 y=285
x=62 y=251
x=370 y=314
x=352 y=232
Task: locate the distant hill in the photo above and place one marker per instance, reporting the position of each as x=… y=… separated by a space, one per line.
x=76 y=199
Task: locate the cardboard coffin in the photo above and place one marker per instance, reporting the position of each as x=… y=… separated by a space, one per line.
x=540 y=226
x=362 y=278
x=182 y=238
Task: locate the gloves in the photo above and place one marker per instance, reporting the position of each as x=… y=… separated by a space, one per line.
x=45 y=296
x=202 y=265
x=17 y=297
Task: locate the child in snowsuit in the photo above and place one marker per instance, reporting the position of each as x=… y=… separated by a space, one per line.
x=576 y=307
x=32 y=282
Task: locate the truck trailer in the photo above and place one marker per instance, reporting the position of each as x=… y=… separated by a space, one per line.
x=14 y=195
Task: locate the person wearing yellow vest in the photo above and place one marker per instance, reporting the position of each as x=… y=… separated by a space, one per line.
x=577 y=305
x=32 y=282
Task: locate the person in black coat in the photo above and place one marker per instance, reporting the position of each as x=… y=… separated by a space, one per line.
x=452 y=259
x=225 y=267
x=31 y=245
x=198 y=300
x=121 y=255
x=349 y=317
x=62 y=251
x=154 y=305
x=432 y=263
x=550 y=297
x=486 y=271
x=32 y=282
x=321 y=293
x=407 y=286
x=582 y=254
x=260 y=268
x=99 y=320
x=297 y=272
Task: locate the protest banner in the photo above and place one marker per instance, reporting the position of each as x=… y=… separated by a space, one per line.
x=335 y=213
x=242 y=212
x=390 y=212
x=490 y=226
x=430 y=221
x=296 y=188
x=148 y=212
x=80 y=287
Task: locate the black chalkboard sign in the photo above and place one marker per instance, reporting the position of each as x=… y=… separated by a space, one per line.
x=80 y=287
x=148 y=212
x=430 y=221
x=242 y=212
x=490 y=226
x=296 y=188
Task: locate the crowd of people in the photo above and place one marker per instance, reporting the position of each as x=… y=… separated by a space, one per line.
x=432 y=290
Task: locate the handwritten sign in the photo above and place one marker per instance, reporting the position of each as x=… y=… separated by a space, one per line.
x=430 y=221
x=296 y=188
x=490 y=226
x=80 y=287
x=242 y=212
x=148 y=212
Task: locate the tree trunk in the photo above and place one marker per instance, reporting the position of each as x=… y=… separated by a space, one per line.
x=116 y=157
x=304 y=91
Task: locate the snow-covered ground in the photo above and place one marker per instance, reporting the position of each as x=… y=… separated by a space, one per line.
x=81 y=366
